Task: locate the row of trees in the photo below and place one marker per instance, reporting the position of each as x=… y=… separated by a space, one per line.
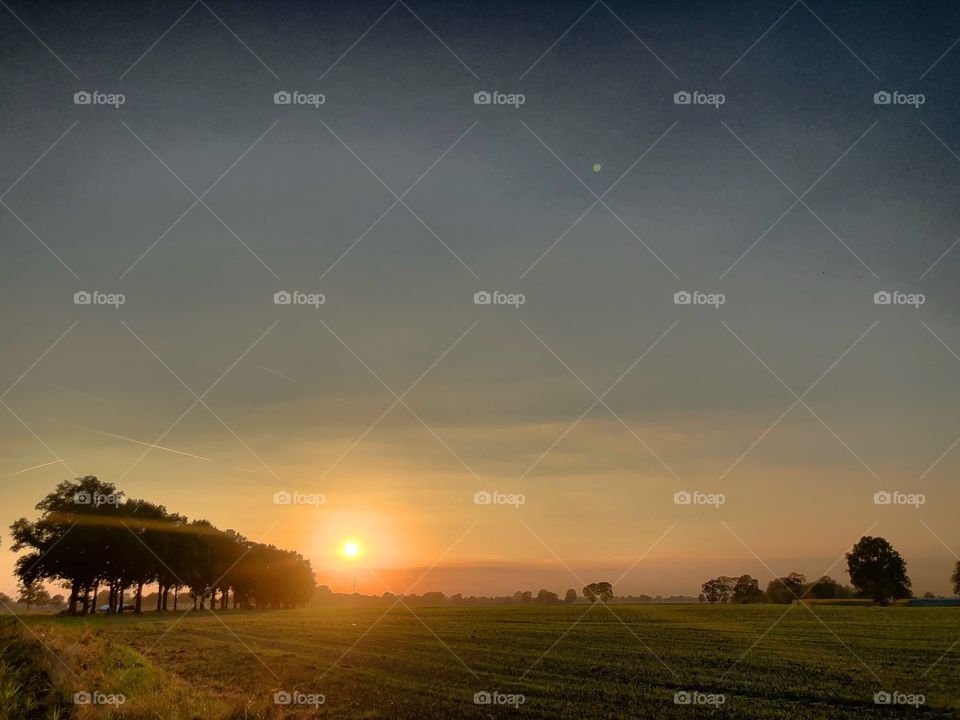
x=90 y=537
x=876 y=570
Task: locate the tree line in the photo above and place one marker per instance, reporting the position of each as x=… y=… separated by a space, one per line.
x=91 y=537
x=877 y=572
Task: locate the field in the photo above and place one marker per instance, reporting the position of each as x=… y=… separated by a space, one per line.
x=568 y=662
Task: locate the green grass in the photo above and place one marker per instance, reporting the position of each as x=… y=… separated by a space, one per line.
x=569 y=662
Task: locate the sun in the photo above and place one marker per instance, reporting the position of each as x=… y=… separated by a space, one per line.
x=350 y=549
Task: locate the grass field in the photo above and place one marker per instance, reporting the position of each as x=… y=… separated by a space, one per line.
x=569 y=662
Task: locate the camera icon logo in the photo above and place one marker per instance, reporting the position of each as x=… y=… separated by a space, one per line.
x=282 y=697
x=82 y=298
x=482 y=97
x=682 y=297
x=82 y=498
x=882 y=497
x=682 y=697
x=282 y=297
x=82 y=97
x=682 y=98
x=282 y=497
x=882 y=98
x=282 y=98
x=482 y=498
x=82 y=698
x=482 y=698
x=682 y=497
x=482 y=297
x=882 y=698
x=882 y=297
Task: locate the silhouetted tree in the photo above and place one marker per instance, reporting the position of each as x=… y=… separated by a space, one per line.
x=955 y=578
x=598 y=591
x=877 y=570
x=570 y=597
x=746 y=590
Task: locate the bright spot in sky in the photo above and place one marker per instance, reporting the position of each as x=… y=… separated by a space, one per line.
x=350 y=549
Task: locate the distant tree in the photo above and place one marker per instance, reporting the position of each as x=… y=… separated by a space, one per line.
x=826 y=588
x=598 y=591
x=746 y=590
x=955 y=578
x=32 y=593
x=929 y=595
x=877 y=570
x=570 y=597
x=545 y=597
x=718 y=590
x=58 y=601
x=527 y=597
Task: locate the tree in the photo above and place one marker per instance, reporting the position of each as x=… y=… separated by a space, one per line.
x=598 y=591
x=826 y=588
x=571 y=596
x=955 y=578
x=877 y=570
x=787 y=589
x=718 y=590
x=746 y=590
x=32 y=593
x=545 y=597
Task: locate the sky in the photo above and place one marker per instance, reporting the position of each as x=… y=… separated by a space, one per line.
x=783 y=199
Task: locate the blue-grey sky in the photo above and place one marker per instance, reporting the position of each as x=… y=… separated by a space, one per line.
x=398 y=198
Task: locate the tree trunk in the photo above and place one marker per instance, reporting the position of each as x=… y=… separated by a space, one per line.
x=176 y=594
x=96 y=590
x=138 y=604
x=159 y=596
x=72 y=603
